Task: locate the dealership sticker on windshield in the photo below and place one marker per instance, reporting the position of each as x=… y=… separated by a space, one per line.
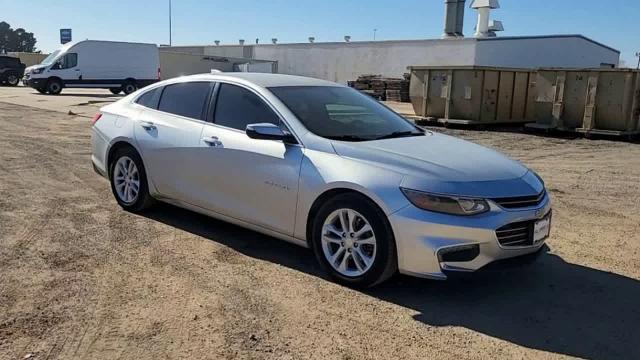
x=541 y=229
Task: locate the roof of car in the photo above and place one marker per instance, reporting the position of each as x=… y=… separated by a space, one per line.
x=266 y=80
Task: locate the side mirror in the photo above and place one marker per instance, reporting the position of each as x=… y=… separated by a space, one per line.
x=56 y=66
x=267 y=131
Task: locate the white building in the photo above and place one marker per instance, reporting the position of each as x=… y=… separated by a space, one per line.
x=344 y=61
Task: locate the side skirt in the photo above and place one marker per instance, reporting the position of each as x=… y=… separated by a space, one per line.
x=244 y=224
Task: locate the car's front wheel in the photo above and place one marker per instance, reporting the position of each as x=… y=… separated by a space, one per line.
x=353 y=241
x=129 y=181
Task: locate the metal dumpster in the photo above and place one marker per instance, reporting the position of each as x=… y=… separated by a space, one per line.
x=473 y=95
x=598 y=101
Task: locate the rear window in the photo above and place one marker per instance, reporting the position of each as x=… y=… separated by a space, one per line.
x=150 y=99
x=185 y=99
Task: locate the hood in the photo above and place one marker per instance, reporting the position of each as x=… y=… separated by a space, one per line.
x=447 y=165
x=28 y=69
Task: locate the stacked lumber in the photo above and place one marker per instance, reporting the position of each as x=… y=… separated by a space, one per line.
x=381 y=88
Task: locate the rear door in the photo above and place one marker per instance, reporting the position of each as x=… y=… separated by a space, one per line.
x=169 y=136
x=247 y=179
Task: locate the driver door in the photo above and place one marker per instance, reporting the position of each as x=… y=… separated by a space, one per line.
x=248 y=179
x=67 y=69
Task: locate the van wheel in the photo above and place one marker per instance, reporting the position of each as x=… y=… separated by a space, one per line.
x=54 y=86
x=115 y=91
x=129 y=87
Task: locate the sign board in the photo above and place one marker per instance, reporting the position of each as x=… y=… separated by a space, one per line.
x=65 y=36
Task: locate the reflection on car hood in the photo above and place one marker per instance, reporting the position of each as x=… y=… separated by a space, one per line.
x=444 y=164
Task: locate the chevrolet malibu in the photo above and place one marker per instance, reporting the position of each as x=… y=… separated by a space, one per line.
x=322 y=166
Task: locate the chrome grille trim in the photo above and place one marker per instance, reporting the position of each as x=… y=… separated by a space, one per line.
x=521 y=201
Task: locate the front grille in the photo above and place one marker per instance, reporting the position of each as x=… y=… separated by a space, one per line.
x=521 y=201
x=516 y=234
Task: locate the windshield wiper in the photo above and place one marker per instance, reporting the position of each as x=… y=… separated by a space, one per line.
x=347 y=138
x=399 y=134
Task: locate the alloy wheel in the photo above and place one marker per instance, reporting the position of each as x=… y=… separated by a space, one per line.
x=348 y=242
x=126 y=179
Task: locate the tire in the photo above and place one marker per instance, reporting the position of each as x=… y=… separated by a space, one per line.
x=115 y=91
x=13 y=79
x=129 y=87
x=377 y=245
x=54 y=86
x=124 y=176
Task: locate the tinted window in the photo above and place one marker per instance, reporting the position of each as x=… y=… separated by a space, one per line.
x=150 y=98
x=238 y=107
x=69 y=61
x=343 y=113
x=8 y=61
x=185 y=99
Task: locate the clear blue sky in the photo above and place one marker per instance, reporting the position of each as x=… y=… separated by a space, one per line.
x=612 y=22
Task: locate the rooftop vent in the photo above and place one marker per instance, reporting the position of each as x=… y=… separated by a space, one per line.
x=495 y=26
x=453 y=19
x=484 y=8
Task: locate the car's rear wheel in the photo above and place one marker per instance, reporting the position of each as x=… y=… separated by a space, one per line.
x=353 y=241
x=129 y=180
x=115 y=91
x=54 y=86
x=13 y=80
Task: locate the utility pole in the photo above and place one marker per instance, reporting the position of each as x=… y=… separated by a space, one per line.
x=374 y=34
x=638 y=56
x=170 y=42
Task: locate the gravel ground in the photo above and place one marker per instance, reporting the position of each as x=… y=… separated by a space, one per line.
x=80 y=278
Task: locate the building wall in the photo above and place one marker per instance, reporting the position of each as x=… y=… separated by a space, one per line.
x=342 y=61
x=572 y=52
x=29 y=58
x=174 y=64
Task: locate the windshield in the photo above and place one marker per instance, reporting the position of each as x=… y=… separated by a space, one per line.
x=342 y=113
x=49 y=59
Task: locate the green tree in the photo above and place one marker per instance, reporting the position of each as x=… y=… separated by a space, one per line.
x=18 y=40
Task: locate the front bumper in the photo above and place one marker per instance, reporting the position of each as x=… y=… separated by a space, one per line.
x=420 y=235
x=36 y=83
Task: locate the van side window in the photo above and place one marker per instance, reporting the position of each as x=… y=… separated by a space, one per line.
x=150 y=99
x=68 y=61
x=185 y=99
x=238 y=107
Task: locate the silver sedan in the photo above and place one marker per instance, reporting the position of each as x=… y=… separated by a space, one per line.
x=322 y=166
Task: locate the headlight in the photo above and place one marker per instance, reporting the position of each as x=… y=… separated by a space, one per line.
x=38 y=70
x=446 y=204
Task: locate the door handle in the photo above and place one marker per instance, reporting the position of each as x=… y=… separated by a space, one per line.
x=147 y=125
x=212 y=141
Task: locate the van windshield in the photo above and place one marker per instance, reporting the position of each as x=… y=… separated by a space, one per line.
x=50 y=59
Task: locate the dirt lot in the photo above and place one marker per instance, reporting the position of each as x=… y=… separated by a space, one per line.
x=80 y=278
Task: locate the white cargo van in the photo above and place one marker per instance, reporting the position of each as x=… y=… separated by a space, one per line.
x=117 y=66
